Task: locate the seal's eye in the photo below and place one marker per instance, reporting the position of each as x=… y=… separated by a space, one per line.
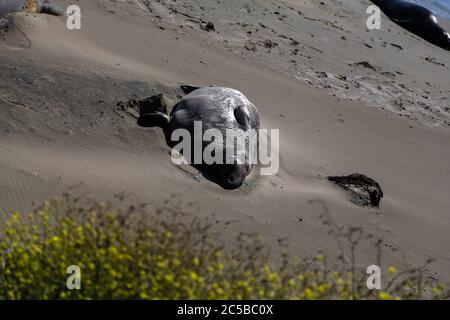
x=242 y=115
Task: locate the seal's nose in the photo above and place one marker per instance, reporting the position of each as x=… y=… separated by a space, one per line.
x=234 y=177
x=231 y=179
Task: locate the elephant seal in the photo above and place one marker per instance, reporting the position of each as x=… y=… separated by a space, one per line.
x=216 y=108
x=37 y=6
x=416 y=19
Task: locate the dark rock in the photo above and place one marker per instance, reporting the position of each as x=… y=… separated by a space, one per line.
x=208 y=26
x=251 y=46
x=366 y=64
x=396 y=46
x=365 y=191
x=150 y=110
x=269 y=44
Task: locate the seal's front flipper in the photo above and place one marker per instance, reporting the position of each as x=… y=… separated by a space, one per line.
x=188 y=88
x=153 y=112
x=49 y=8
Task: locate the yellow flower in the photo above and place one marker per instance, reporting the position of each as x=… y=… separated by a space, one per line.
x=196 y=261
x=149 y=234
x=308 y=293
x=143 y=295
x=168 y=277
x=168 y=234
x=392 y=270
x=113 y=250
x=54 y=239
x=193 y=275
x=273 y=277
x=176 y=262
x=113 y=273
x=156 y=260
x=323 y=288
x=436 y=290
x=384 y=296
x=11 y=295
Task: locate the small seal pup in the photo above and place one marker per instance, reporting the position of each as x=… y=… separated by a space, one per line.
x=416 y=19
x=37 y=6
x=216 y=108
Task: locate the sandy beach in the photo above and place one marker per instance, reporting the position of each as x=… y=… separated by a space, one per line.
x=344 y=98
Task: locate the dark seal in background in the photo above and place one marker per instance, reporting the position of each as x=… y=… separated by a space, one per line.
x=416 y=19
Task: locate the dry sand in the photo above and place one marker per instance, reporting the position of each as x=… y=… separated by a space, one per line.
x=297 y=61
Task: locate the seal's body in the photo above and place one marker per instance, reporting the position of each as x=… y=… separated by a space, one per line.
x=416 y=19
x=37 y=6
x=219 y=108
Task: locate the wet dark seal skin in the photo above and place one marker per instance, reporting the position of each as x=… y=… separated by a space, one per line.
x=416 y=19
x=217 y=108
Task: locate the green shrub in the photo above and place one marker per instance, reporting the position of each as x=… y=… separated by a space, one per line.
x=134 y=252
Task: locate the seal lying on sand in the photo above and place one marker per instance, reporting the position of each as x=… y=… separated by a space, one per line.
x=217 y=108
x=416 y=19
x=38 y=6
x=364 y=190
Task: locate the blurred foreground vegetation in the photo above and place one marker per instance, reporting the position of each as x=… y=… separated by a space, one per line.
x=135 y=252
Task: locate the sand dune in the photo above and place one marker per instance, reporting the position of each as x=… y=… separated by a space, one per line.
x=60 y=124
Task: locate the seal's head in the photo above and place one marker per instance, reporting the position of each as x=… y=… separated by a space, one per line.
x=446 y=41
x=441 y=37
